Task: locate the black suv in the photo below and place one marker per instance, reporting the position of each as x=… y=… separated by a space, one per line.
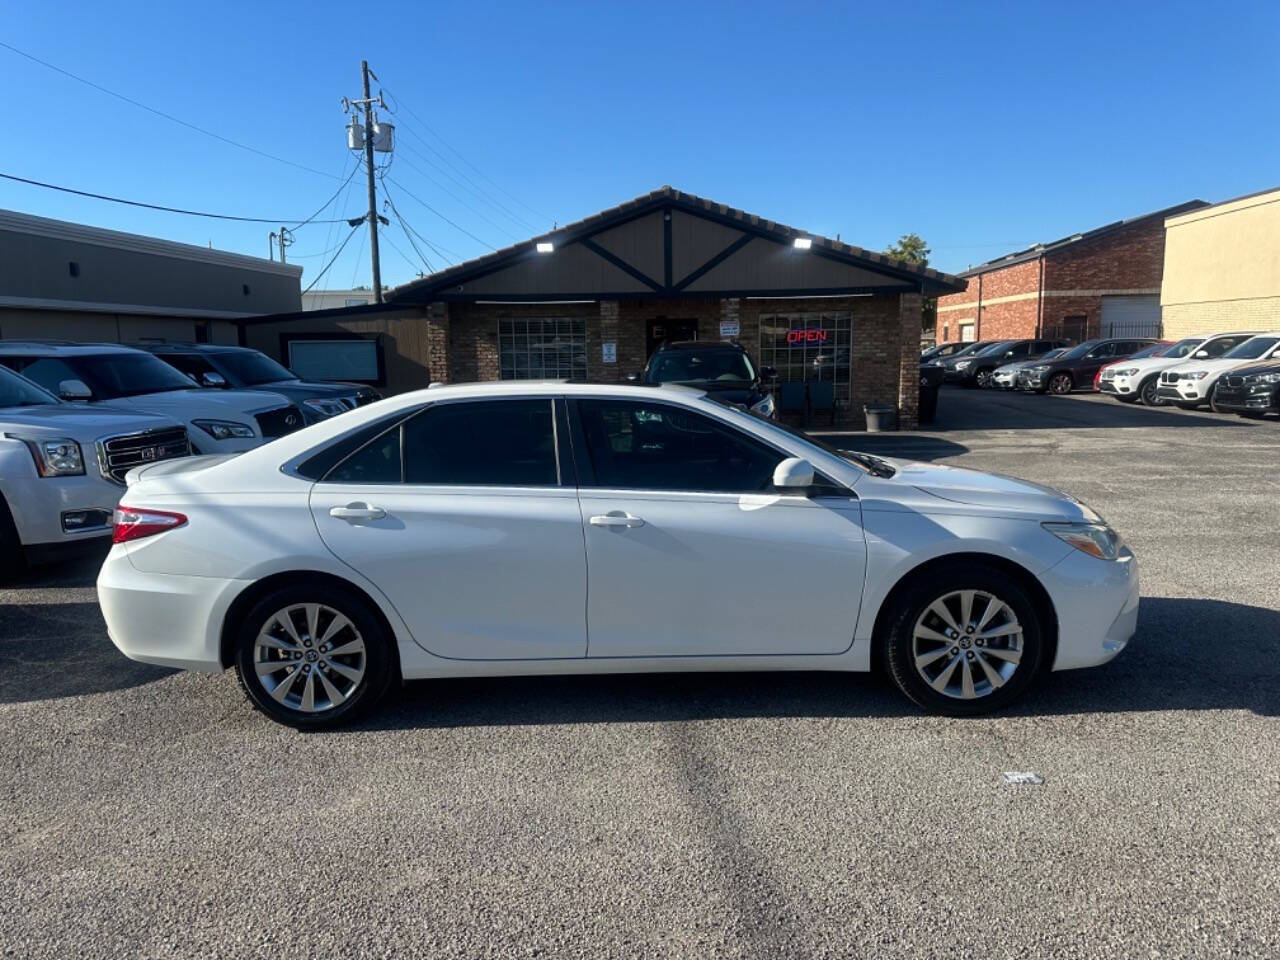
x=1251 y=391
x=722 y=368
x=217 y=366
x=975 y=369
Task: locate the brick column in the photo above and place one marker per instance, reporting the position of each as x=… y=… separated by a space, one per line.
x=436 y=348
x=597 y=334
x=731 y=310
x=910 y=311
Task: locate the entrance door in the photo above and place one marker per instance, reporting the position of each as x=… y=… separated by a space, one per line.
x=656 y=332
x=690 y=551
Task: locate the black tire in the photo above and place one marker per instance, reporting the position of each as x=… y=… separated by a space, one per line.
x=1149 y=392
x=1061 y=384
x=12 y=559
x=380 y=660
x=1213 y=400
x=911 y=604
x=982 y=378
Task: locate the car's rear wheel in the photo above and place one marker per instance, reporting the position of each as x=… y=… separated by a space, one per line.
x=311 y=657
x=967 y=640
x=1061 y=383
x=1149 y=391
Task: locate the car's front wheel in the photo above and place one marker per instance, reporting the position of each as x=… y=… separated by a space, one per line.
x=1061 y=383
x=311 y=657
x=966 y=640
x=983 y=378
x=1149 y=391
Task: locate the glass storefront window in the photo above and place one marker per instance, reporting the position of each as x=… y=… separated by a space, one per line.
x=543 y=348
x=809 y=346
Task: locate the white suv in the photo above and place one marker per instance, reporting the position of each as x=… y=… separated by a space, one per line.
x=1139 y=378
x=218 y=421
x=62 y=466
x=1191 y=383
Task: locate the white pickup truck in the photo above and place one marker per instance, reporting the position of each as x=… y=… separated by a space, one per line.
x=63 y=466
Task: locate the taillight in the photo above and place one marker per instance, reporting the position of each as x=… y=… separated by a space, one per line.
x=133 y=523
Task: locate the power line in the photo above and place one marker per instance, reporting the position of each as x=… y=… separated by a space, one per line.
x=479 y=172
x=408 y=232
x=157 y=206
x=331 y=262
x=439 y=249
x=414 y=196
x=404 y=256
x=312 y=218
x=498 y=227
x=160 y=113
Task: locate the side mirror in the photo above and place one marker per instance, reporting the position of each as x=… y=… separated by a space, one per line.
x=1201 y=354
x=212 y=379
x=793 y=473
x=74 y=390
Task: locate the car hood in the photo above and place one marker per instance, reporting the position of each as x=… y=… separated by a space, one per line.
x=1257 y=367
x=1150 y=364
x=203 y=402
x=81 y=422
x=936 y=485
x=308 y=390
x=1213 y=366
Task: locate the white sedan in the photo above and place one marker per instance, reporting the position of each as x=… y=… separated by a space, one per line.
x=554 y=528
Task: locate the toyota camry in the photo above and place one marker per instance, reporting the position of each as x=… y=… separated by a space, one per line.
x=556 y=528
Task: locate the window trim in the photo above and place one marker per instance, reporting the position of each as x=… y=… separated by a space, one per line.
x=562 y=482
x=586 y=469
x=572 y=374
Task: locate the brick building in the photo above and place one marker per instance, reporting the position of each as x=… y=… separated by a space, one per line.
x=1105 y=282
x=593 y=299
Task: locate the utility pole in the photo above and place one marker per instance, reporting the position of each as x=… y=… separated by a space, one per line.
x=373 y=195
x=284 y=238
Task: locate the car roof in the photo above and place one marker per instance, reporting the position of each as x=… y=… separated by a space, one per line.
x=700 y=345
x=553 y=388
x=186 y=346
x=60 y=348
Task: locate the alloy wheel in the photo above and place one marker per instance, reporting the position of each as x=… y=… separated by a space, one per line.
x=1150 y=397
x=1061 y=383
x=984 y=378
x=309 y=657
x=967 y=644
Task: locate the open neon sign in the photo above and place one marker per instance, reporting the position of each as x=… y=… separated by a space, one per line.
x=806 y=336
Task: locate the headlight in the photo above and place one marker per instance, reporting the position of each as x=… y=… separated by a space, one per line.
x=55 y=458
x=326 y=406
x=1096 y=539
x=1126 y=372
x=1195 y=375
x=1267 y=378
x=963 y=364
x=764 y=407
x=224 y=429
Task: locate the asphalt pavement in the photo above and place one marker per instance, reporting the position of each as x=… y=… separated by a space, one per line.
x=147 y=813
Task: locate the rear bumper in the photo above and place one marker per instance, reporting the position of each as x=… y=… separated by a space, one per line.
x=1097 y=605
x=164 y=619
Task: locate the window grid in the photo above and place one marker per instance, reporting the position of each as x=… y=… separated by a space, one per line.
x=810 y=346
x=542 y=348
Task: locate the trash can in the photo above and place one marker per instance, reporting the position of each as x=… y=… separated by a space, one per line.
x=879 y=417
x=930 y=384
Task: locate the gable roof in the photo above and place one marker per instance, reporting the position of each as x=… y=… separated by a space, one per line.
x=1039 y=249
x=454 y=282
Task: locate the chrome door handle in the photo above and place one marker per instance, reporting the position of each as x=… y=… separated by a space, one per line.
x=357 y=511
x=616 y=520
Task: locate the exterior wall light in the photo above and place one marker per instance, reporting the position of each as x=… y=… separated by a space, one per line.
x=803 y=243
x=546 y=246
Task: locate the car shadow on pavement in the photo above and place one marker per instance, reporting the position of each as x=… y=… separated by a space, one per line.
x=1188 y=655
x=962 y=409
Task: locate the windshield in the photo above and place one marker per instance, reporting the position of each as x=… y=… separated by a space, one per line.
x=111 y=375
x=995 y=348
x=1184 y=348
x=1251 y=349
x=716 y=366
x=1080 y=349
x=971 y=349
x=17 y=392
x=1155 y=350
x=873 y=465
x=1052 y=354
x=249 y=368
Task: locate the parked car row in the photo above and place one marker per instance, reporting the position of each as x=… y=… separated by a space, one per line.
x=75 y=418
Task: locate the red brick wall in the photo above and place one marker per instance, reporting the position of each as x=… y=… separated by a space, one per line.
x=995 y=321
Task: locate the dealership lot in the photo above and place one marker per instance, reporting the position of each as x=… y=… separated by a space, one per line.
x=151 y=813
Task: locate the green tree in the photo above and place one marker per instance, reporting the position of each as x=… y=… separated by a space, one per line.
x=912 y=248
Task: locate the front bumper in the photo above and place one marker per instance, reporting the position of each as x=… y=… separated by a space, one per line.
x=1032 y=381
x=1097 y=606
x=1006 y=381
x=164 y=619
x=1117 y=387
x=51 y=511
x=1249 y=399
x=1184 y=391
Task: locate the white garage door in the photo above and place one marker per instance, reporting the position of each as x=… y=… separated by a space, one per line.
x=1131 y=316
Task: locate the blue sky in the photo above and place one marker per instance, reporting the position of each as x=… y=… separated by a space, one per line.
x=983 y=127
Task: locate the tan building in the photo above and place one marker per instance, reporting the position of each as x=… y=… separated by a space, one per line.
x=1222 y=267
